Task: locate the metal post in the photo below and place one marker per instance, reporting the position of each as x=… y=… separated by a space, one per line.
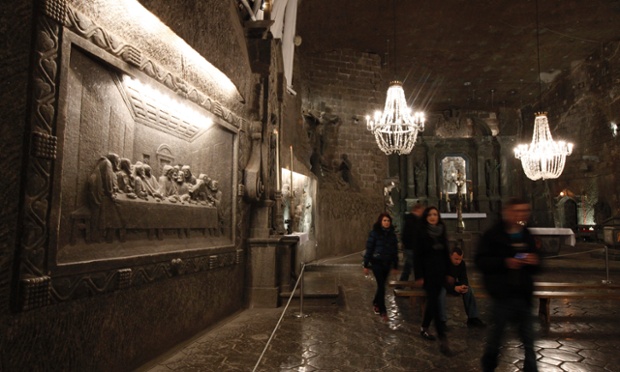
x=606 y=281
x=301 y=293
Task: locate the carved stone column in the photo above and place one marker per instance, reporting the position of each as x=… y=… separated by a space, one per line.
x=411 y=191
x=484 y=152
x=262 y=282
x=510 y=167
x=271 y=266
x=432 y=191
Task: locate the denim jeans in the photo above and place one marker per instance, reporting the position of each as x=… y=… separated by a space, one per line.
x=469 y=302
x=510 y=310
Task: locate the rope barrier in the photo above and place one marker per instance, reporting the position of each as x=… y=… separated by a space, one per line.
x=574 y=254
x=299 y=279
x=335 y=258
x=301 y=276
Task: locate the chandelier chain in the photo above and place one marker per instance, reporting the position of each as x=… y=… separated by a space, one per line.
x=396 y=128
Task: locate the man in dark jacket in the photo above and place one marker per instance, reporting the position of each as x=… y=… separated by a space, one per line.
x=508 y=259
x=411 y=226
x=458 y=285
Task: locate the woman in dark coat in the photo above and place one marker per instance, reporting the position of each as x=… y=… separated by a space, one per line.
x=431 y=260
x=381 y=255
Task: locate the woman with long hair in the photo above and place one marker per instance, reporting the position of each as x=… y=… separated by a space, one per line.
x=431 y=260
x=381 y=256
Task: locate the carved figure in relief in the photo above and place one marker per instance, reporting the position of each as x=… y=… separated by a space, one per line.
x=125 y=179
x=420 y=178
x=140 y=187
x=286 y=206
x=387 y=197
x=307 y=212
x=167 y=182
x=182 y=187
x=109 y=208
x=299 y=210
x=215 y=197
x=199 y=191
x=345 y=168
x=150 y=183
x=188 y=176
x=492 y=176
x=102 y=190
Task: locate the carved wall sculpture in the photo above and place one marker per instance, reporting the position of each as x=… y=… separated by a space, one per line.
x=77 y=219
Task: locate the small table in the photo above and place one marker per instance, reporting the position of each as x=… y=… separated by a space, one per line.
x=552 y=238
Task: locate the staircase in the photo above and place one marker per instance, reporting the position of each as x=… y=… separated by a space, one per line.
x=320 y=286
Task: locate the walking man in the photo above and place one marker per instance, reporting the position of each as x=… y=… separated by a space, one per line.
x=508 y=259
x=408 y=236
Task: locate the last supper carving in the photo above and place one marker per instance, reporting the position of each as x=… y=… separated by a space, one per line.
x=113 y=121
x=109 y=126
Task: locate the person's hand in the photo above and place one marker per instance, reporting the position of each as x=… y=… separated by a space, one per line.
x=524 y=259
x=513 y=263
x=531 y=259
x=461 y=289
x=394 y=271
x=366 y=271
x=419 y=282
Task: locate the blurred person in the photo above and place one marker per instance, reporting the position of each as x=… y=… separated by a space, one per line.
x=458 y=285
x=411 y=227
x=431 y=260
x=381 y=256
x=508 y=260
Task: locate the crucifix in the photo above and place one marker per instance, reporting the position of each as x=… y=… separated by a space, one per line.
x=459 y=181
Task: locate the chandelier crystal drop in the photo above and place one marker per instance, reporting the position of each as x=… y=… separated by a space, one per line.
x=544 y=158
x=396 y=128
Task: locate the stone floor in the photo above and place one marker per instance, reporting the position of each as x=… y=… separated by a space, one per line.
x=345 y=335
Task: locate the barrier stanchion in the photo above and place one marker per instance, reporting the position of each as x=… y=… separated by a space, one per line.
x=273 y=333
x=606 y=281
x=301 y=293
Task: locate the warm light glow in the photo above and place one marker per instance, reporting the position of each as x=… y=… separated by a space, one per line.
x=544 y=158
x=168 y=103
x=396 y=129
x=159 y=31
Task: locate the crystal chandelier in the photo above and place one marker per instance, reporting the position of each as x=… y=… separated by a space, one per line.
x=396 y=128
x=544 y=158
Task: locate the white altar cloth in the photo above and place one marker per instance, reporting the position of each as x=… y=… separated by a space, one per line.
x=567 y=234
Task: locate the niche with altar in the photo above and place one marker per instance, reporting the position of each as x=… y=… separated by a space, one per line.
x=298 y=200
x=455 y=185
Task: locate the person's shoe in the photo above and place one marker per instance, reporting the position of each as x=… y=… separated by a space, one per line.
x=475 y=323
x=375 y=308
x=444 y=348
x=426 y=335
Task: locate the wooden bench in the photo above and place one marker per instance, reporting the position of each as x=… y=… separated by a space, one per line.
x=544 y=291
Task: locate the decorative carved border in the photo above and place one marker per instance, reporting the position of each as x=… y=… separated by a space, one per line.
x=37 y=285
x=85 y=28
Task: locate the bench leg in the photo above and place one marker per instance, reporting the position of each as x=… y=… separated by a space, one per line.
x=544 y=312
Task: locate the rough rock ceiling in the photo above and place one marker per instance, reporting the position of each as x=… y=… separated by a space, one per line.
x=464 y=53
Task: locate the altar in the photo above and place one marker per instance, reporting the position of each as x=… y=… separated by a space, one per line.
x=475 y=224
x=473 y=221
x=551 y=239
